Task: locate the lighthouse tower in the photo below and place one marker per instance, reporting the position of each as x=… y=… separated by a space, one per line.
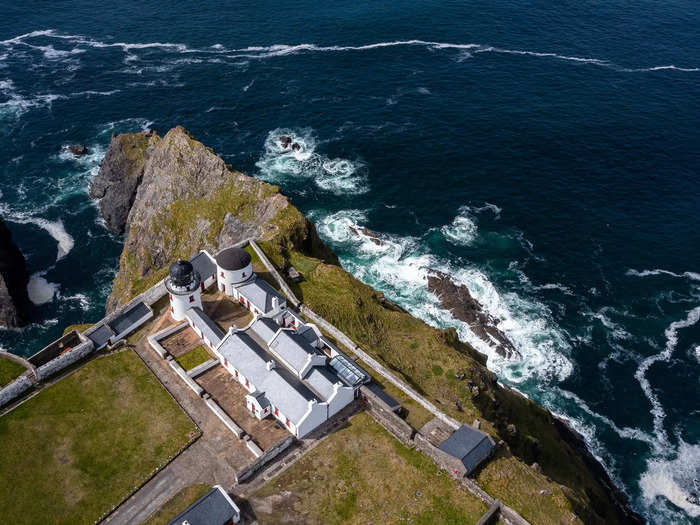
x=233 y=267
x=182 y=284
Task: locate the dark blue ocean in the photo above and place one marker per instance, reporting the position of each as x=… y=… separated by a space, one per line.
x=546 y=154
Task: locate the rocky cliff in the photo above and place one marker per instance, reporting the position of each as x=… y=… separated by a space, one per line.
x=173 y=196
x=14 y=301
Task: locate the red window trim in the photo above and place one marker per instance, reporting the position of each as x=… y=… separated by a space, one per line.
x=191 y=298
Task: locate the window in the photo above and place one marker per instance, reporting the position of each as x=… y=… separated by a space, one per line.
x=202 y=285
x=247 y=384
x=243 y=275
x=172 y=310
x=235 y=372
x=223 y=287
x=191 y=298
x=171 y=297
x=222 y=275
x=252 y=407
x=289 y=425
x=242 y=300
x=277 y=412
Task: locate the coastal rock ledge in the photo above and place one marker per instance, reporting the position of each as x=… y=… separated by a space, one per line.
x=172 y=196
x=14 y=300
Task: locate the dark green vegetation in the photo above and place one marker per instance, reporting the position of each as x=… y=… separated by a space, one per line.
x=193 y=358
x=80 y=446
x=177 y=504
x=361 y=474
x=9 y=370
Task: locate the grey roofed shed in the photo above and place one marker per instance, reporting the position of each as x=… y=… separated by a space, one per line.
x=214 y=508
x=469 y=445
x=260 y=293
x=126 y=319
x=383 y=396
x=100 y=336
x=203 y=265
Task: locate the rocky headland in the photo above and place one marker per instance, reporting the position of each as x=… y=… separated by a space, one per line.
x=172 y=196
x=14 y=301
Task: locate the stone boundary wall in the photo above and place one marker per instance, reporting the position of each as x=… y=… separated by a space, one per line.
x=62 y=361
x=187 y=379
x=268 y=456
x=224 y=417
x=283 y=284
x=153 y=340
x=387 y=418
x=16 y=388
x=18 y=359
x=490 y=516
x=204 y=367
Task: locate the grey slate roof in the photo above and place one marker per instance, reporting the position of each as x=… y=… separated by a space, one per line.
x=203 y=265
x=211 y=509
x=320 y=380
x=100 y=336
x=469 y=445
x=260 y=293
x=283 y=390
x=292 y=348
x=264 y=328
x=209 y=328
x=129 y=317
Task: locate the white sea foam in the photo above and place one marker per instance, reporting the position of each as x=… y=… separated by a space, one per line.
x=399 y=266
x=650 y=273
x=338 y=176
x=671 y=334
x=676 y=478
x=463 y=230
x=40 y=290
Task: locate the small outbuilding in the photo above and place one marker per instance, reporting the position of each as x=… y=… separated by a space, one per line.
x=469 y=445
x=214 y=508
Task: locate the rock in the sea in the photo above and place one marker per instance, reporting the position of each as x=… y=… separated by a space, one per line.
x=78 y=150
x=457 y=299
x=296 y=146
x=14 y=300
x=285 y=141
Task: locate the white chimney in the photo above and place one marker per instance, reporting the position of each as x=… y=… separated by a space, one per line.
x=270 y=365
x=275 y=303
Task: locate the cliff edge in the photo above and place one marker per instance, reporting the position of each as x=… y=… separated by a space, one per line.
x=14 y=301
x=172 y=196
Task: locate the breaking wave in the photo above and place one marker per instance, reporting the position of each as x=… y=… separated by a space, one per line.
x=651 y=273
x=399 y=266
x=40 y=290
x=462 y=230
x=303 y=164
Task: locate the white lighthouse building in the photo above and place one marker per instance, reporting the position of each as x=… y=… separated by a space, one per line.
x=233 y=267
x=183 y=285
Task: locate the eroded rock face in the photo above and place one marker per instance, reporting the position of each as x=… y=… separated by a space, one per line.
x=173 y=196
x=14 y=301
x=120 y=174
x=457 y=299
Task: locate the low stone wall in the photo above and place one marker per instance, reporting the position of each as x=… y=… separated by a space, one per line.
x=386 y=417
x=224 y=417
x=283 y=284
x=187 y=379
x=62 y=361
x=154 y=339
x=268 y=456
x=16 y=388
x=18 y=359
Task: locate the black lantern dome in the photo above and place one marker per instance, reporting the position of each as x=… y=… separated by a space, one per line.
x=181 y=273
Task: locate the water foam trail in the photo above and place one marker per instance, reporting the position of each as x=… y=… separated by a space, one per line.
x=338 y=176
x=671 y=334
x=56 y=229
x=463 y=230
x=281 y=50
x=649 y=273
x=40 y=290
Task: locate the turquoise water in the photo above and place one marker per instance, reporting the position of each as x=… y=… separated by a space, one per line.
x=545 y=155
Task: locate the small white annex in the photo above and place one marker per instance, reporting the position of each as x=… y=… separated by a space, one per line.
x=289 y=370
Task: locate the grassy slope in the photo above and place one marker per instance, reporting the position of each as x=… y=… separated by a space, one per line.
x=413 y=349
x=80 y=446
x=177 y=504
x=361 y=474
x=9 y=370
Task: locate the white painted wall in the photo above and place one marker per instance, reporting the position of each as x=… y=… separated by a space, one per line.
x=230 y=278
x=316 y=414
x=344 y=395
x=180 y=303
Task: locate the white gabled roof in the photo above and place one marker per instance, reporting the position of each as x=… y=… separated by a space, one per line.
x=260 y=294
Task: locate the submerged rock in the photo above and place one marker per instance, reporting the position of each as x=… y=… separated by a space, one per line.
x=78 y=150
x=14 y=277
x=285 y=141
x=457 y=299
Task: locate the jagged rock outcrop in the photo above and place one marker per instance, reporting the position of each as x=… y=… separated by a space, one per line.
x=173 y=196
x=14 y=301
x=120 y=174
x=457 y=299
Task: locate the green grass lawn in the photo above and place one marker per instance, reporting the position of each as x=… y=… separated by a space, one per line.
x=193 y=358
x=9 y=370
x=80 y=446
x=177 y=504
x=361 y=474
